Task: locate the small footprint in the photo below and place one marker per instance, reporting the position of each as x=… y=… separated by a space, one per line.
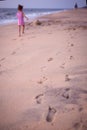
x=50 y=115
x=43 y=67
x=72 y=45
x=66 y=95
x=2 y=59
x=50 y=59
x=13 y=53
x=39 y=98
x=80 y=109
x=71 y=57
x=77 y=125
x=40 y=82
x=44 y=78
x=67 y=77
x=62 y=66
x=84 y=127
x=74 y=28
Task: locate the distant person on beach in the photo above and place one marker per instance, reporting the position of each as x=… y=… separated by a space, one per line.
x=21 y=16
x=76 y=6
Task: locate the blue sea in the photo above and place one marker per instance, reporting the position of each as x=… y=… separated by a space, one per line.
x=8 y=16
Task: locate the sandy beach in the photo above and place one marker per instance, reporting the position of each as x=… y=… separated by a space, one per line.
x=43 y=73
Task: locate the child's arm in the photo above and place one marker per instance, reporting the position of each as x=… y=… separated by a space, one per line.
x=25 y=16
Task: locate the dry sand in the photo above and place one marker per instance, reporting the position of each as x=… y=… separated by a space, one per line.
x=43 y=74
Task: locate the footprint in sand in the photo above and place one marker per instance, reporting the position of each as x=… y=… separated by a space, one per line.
x=13 y=53
x=67 y=77
x=39 y=98
x=80 y=109
x=2 y=59
x=72 y=45
x=42 y=80
x=71 y=57
x=51 y=114
x=80 y=126
x=66 y=95
x=50 y=59
x=84 y=127
x=74 y=29
x=77 y=126
x=43 y=67
x=83 y=91
x=62 y=66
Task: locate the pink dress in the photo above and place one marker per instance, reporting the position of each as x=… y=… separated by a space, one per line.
x=20 y=18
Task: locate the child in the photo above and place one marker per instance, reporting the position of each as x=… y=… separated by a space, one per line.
x=20 y=16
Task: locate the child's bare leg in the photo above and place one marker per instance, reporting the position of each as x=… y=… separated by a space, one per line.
x=23 y=28
x=19 y=30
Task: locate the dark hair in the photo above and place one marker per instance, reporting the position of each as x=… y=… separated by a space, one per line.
x=20 y=7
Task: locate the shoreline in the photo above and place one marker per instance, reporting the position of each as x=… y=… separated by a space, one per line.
x=43 y=73
x=42 y=16
x=31 y=19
